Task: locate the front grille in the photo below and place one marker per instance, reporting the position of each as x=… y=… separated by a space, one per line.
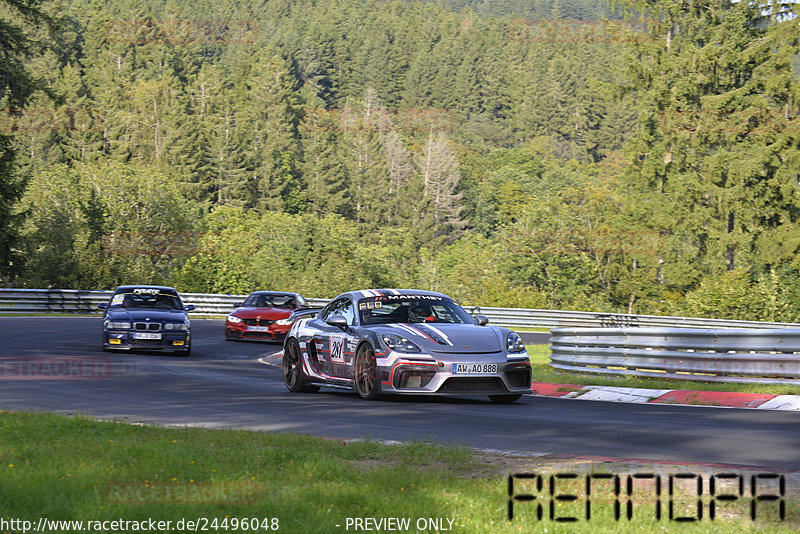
x=473 y=384
x=256 y=334
x=255 y=322
x=147 y=326
x=146 y=342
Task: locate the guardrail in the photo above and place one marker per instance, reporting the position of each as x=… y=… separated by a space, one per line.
x=764 y=356
x=533 y=318
x=79 y=301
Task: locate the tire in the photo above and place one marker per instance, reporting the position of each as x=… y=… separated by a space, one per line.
x=367 y=383
x=505 y=399
x=293 y=369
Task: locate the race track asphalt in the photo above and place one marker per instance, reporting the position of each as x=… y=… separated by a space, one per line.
x=55 y=364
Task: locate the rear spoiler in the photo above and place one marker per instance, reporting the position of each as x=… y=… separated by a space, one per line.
x=297 y=314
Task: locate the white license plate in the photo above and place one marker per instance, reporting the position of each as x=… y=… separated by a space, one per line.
x=474 y=368
x=139 y=335
x=258 y=328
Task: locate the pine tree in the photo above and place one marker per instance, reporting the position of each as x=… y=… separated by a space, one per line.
x=365 y=161
x=267 y=124
x=715 y=159
x=83 y=140
x=381 y=65
x=401 y=174
x=110 y=63
x=438 y=167
x=417 y=81
x=323 y=171
x=207 y=146
x=17 y=84
x=192 y=136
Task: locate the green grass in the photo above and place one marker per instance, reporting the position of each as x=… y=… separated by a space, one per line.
x=542 y=372
x=64 y=468
x=532 y=329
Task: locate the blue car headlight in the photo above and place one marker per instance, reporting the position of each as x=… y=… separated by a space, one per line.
x=514 y=343
x=176 y=326
x=118 y=325
x=400 y=344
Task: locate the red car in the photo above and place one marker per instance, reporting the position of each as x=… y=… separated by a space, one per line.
x=263 y=315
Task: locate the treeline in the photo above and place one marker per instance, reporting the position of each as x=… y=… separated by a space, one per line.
x=609 y=165
x=586 y=10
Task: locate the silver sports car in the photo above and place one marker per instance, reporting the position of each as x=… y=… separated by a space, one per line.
x=403 y=341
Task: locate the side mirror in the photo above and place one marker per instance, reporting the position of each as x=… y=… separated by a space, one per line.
x=188 y=307
x=338 y=321
x=102 y=306
x=237 y=304
x=482 y=320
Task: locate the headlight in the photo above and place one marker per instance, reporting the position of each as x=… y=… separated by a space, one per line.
x=514 y=343
x=400 y=344
x=176 y=326
x=118 y=325
x=284 y=322
x=234 y=319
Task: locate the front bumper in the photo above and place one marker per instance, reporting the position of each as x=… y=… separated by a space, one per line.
x=272 y=332
x=414 y=377
x=129 y=340
x=434 y=374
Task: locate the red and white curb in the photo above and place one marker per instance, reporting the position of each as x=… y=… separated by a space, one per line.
x=728 y=399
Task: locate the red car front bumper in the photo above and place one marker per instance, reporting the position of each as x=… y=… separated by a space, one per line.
x=273 y=332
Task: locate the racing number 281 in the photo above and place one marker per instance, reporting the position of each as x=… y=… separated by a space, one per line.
x=337 y=349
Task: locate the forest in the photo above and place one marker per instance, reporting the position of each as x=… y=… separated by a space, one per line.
x=638 y=156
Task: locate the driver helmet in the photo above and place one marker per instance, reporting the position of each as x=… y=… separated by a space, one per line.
x=419 y=313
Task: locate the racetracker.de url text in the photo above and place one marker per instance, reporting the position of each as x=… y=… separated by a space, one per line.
x=199 y=524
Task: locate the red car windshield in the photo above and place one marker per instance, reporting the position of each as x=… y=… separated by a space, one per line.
x=270 y=301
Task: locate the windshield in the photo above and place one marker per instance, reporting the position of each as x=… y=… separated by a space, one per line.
x=162 y=301
x=265 y=300
x=389 y=309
